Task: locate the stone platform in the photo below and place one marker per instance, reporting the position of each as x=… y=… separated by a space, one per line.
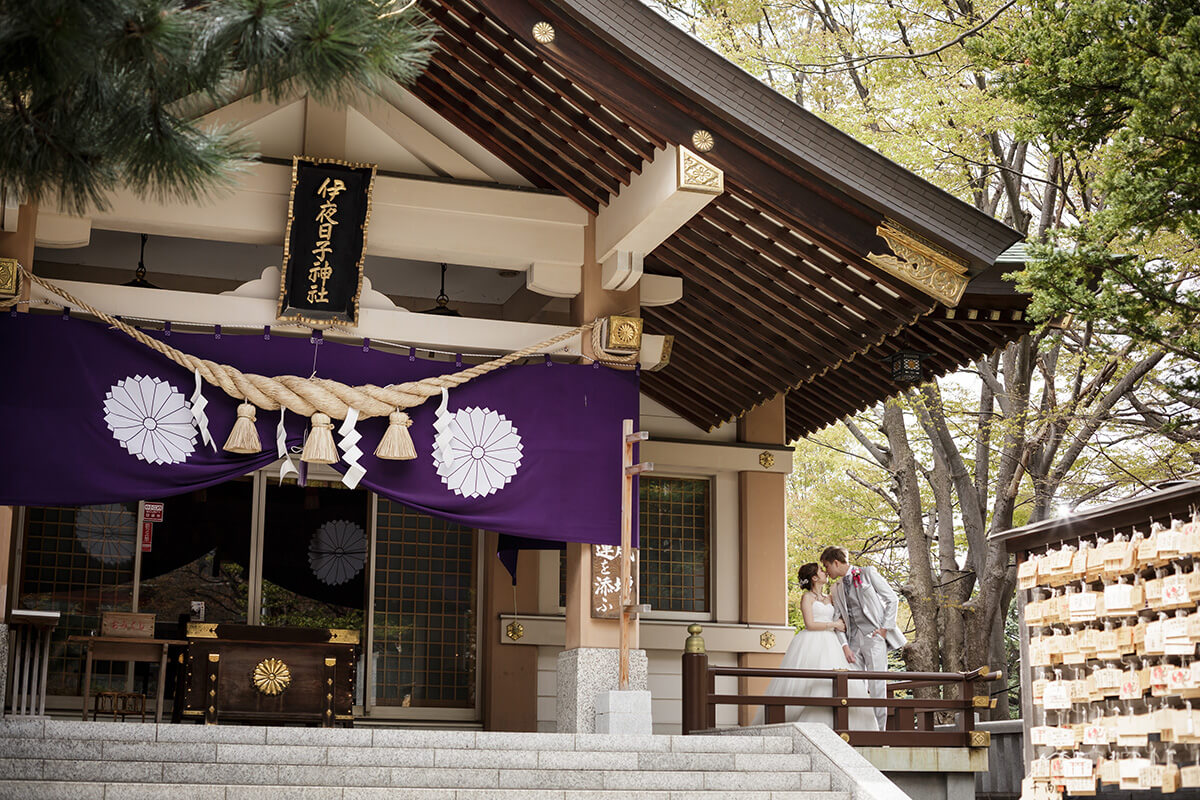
x=41 y=759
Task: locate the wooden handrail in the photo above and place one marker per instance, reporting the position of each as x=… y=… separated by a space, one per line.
x=910 y=719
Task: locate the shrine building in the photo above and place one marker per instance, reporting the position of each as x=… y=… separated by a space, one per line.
x=557 y=164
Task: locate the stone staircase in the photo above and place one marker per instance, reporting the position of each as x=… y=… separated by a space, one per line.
x=48 y=758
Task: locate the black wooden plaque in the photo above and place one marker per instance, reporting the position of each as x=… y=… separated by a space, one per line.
x=326 y=241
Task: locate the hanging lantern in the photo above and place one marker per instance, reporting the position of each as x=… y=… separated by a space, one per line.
x=906 y=365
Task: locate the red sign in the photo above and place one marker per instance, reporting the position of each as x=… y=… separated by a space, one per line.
x=152 y=512
x=147 y=536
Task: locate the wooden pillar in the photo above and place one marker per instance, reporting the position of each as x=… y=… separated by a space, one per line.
x=17 y=244
x=509 y=670
x=762 y=541
x=593 y=301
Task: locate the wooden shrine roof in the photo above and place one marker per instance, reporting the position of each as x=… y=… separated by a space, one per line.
x=778 y=294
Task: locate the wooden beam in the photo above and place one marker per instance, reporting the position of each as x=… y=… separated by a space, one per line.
x=523 y=305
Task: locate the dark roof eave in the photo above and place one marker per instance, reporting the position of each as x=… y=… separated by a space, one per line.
x=730 y=92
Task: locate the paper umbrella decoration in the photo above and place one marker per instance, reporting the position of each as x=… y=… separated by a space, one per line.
x=337 y=551
x=476 y=451
x=151 y=419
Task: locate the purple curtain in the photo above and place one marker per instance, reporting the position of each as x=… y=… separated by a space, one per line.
x=90 y=416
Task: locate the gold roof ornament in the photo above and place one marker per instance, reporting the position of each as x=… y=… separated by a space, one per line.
x=543 y=32
x=703 y=141
x=921 y=263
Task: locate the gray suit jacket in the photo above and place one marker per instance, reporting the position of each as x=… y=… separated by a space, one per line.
x=872 y=605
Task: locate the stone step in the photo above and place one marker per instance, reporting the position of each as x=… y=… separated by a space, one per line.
x=410 y=777
x=73 y=730
x=40 y=790
x=82 y=751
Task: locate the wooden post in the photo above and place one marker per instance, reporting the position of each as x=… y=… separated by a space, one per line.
x=628 y=470
x=695 y=683
x=626 y=544
x=841 y=712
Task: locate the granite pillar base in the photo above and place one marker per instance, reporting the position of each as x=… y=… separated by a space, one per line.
x=585 y=672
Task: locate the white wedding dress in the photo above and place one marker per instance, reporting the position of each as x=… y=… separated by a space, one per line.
x=818 y=650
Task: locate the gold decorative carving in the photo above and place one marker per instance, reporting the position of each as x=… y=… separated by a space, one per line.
x=330 y=662
x=202 y=630
x=624 y=334
x=271 y=676
x=766 y=459
x=981 y=738
x=339 y=636
x=767 y=640
x=543 y=32
x=514 y=630
x=918 y=261
x=698 y=175
x=665 y=358
x=10 y=277
x=703 y=141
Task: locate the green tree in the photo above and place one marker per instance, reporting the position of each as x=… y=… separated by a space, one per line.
x=96 y=94
x=1054 y=419
x=1119 y=80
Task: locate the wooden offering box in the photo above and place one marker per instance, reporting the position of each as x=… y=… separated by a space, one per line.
x=249 y=673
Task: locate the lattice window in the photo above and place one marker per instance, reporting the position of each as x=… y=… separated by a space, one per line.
x=674 y=529
x=79 y=561
x=424 y=616
x=674 y=524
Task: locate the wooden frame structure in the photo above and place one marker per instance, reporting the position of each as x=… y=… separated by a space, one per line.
x=910 y=719
x=784 y=285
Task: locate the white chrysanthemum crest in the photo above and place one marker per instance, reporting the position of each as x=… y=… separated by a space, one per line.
x=151 y=419
x=476 y=452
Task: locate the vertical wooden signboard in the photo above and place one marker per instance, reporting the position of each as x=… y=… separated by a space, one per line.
x=326 y=241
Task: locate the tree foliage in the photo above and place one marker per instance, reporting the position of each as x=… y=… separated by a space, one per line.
x=1057 y=419
x=95 y=94
x=1118 y=80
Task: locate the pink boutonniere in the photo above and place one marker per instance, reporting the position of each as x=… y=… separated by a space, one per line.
x=856 y=578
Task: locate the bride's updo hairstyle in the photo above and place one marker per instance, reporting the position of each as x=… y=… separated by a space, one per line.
x=806 y=573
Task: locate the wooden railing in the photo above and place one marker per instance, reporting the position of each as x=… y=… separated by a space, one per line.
x=910 y=720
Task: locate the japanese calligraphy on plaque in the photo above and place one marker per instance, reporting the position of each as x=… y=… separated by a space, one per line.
x=326 y=241
x=606 y=580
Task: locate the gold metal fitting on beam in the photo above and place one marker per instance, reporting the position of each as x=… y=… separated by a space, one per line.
x=980 y=702
x=767 y=640
x=767 y=459
x=514 y=630
x=703 y=141
x=10 y=277
x=543 y=33
x=981 y=738
x=623 y=334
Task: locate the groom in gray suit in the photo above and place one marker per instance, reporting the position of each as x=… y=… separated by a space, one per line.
x=867 y=605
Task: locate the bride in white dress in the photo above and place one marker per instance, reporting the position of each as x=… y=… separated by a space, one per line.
x=817 y=647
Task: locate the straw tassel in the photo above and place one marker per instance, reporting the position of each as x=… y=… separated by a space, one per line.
x=397 y=444
x=319 y=447
x=244 y=436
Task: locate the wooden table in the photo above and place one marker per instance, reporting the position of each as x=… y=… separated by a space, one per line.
x=118 y=648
